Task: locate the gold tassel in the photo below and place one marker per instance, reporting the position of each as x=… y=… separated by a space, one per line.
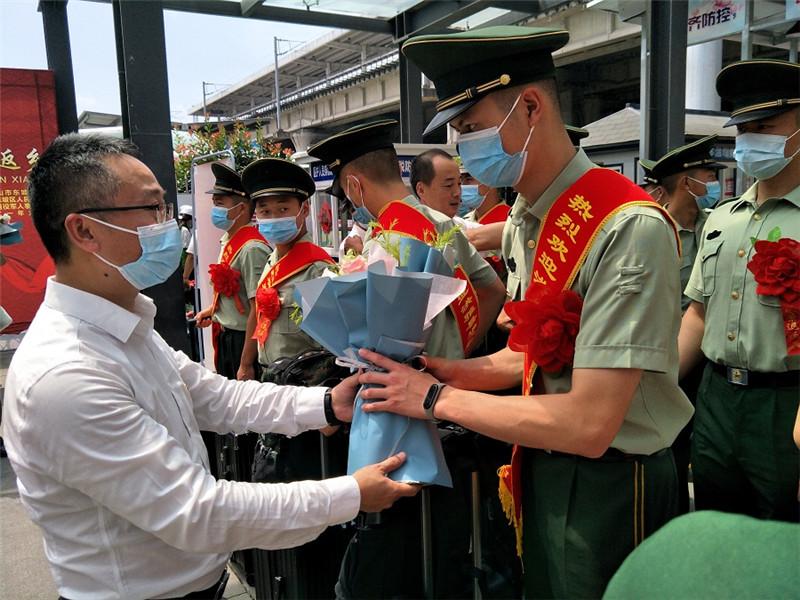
x=507 y=502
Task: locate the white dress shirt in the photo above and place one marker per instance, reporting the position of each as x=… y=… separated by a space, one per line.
x=102 y=425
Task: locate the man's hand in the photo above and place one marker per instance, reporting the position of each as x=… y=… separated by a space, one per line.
x=378 y=492
x=342 y=398
x=246 y=373
x=354 y=243
x=504 y=322
x=203 y=318
x=403 y=388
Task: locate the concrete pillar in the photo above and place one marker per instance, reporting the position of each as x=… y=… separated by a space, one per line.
x=703 y=62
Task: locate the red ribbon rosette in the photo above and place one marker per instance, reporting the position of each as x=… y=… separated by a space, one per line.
x=546 y=326
x=226 y=282
x=268 y=307
x=776 y=269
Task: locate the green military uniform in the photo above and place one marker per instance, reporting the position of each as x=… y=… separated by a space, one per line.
x=710 y=554
x=285 y=336
x=743 y=458
x=384 y=558
x=667 y=172
x=250 y=262
x=581 y=517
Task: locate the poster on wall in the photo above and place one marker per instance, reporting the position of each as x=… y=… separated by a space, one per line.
x=792 y=10
x=714 y=19
x=28 y=95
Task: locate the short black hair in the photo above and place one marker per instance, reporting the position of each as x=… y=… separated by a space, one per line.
x=505 y=98
x=381 y=166
x=422 y=167
x=70 y=175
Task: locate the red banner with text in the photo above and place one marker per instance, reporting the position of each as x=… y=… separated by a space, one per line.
x=27 y=126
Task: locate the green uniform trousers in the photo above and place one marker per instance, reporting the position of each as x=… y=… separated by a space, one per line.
x=743 y=456
x=582 y=517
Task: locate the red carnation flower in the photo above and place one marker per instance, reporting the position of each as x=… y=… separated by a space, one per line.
x=776 y=269
x=546 y=326
x=268 y=303
x=226 y=281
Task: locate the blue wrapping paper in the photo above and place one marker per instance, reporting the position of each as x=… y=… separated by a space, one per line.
x=384 y=312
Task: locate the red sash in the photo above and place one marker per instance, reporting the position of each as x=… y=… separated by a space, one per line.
x=301 y=256
x=497 y=214
x=567 y=232
x=399 y=218
x=225 y=280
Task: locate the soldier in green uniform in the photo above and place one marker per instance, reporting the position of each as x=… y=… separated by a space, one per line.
x=384 y=558
x=235 y=278
x=596 y=474
x=688 y=178
x=649 y=182
x=281 y=191
x=743 y=287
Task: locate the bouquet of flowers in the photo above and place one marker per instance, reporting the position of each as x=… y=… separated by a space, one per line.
x=388 y=308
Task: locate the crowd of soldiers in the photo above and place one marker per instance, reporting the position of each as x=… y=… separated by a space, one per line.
x=624 y=339
x=672 y=322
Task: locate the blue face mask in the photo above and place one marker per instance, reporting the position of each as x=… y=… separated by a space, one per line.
x=761 y=155
x=161 y=253
x=470 y=199
x=484 y=157
x=712 y=195
x=219 y=217
x=278 y=231
x=361 y=215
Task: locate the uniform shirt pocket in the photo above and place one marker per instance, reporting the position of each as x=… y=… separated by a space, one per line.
x=709 y=256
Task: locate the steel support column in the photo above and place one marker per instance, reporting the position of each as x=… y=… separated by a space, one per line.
x=663 y=101
x=411 y=118
x=144 y=95
x=59 y=60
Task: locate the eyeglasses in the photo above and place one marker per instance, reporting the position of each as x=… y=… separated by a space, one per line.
x=163 y=211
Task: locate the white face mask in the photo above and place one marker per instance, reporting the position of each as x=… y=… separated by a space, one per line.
x=762 y=155
x=161 y=253
x=487 y=161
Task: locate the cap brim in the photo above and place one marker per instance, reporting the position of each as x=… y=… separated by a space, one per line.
x=757 y=115
x=448 y=114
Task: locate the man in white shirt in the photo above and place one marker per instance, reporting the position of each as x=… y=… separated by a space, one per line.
x=102 y=418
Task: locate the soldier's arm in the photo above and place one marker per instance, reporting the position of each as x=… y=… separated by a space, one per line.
x=250 y=348
x=490 y=299
x=498 y=371
x=553 y=421
x=690 y=338
x=486 y=237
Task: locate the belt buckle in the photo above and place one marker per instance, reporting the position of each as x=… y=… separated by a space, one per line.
x=737 y=376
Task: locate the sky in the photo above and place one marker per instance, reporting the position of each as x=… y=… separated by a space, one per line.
x=221 y=50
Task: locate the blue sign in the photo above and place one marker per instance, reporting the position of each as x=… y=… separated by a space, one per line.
x=320 y=171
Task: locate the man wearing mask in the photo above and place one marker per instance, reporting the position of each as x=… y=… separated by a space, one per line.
x=384 y=558
x=235 y=277
x=743 y=319
x=592 y=474
x=102 y=417
x=688 y=178
x=436 y=181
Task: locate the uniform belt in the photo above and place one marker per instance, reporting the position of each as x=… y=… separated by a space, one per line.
x=610 y=455
x=746 y=378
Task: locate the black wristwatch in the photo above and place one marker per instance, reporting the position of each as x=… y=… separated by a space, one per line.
x=330 y=415
x=430 y=400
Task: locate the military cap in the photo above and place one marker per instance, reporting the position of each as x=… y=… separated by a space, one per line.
x=691 y=156
x=346 y=146
x=647 y=169
x=576 y=134
x=277 y=177
x=468 y=65
x=759 y=89
x=227 y=181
